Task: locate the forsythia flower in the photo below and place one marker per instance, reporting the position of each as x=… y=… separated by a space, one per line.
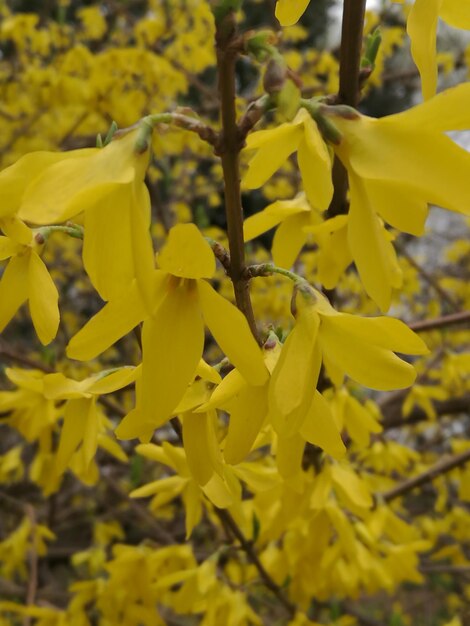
x=173 y=335
x=422 y=28
x=362 y=348
x=397 y=165
x=108 y=185
x=297 y=219
x=276 y=144
x=26 y=279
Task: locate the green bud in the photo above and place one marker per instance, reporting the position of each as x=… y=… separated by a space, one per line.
x=372 y=46
x=260 y=44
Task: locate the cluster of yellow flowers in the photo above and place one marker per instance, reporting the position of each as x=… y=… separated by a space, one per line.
x=321 y=526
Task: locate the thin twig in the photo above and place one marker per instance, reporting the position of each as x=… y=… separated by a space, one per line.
x=349 y=88
x=430 y=474
x=231 y=528
x=246 y=545
x=229 y=151
x=442 y=407
x=445 y=569
x=440 y=322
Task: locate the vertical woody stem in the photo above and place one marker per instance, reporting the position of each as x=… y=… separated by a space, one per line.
x=229 y=150
x=349 y=87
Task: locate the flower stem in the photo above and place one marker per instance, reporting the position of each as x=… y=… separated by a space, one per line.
x=229 y=151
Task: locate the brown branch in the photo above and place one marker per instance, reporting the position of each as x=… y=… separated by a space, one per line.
x=442 y=407
x=247 y=547
x=429 y=475
x=440 y=322
x=349 y=88
x=445 y=569
x=351 y=50
x=231 y=528
x=229 y=151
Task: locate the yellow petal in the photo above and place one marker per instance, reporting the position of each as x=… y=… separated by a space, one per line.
x=289 y=240
x=8 y=248
x=319 y=428
x=385 y=332
x=16 y=230
x=413 y=155
x=142 y=245
x=116 y=319
x=274 y=148
x=231 y=331
x=13 y=288
x=368 y=364
x=446 y=111
x=43 y=300
x=372 y=251
x=359 y=422
x=201 y=446
x=288 y=12
x=289 y=454
x=295 y=376
x=422 y=28
x=57 y=386
x=73 y=184
x=399 y=205
x=172 y=344
x=272 y=215
x=207 y=372
x=14 y=179
x=192 y=505
x=248 y=411
x=456 y=13
x=352 y=488
x=73 y=430
x=315 y=165
x=232 y=385
x=107 y=383
x=219 y=492
x=107 y=246
x=186 y=253
x=172 y=483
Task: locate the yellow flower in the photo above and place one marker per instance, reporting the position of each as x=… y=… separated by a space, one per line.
x=173 y=335
x=26 y=278
x=108 y=185
x=362 y=348
x=276 y=144
x=181 y=484
x=397 y=165
x=84 y=423
x=422 y=28
x=297 y=218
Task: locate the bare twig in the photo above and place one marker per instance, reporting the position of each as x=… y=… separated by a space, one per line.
x=229 y=151
x=394 y=419
x=440 y=322
x=349 y=88
x=246 y=545
x=430 y=474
